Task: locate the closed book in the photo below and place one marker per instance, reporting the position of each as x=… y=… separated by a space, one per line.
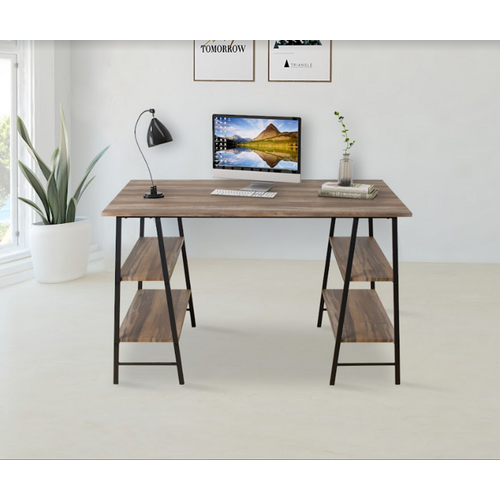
x=358 y=196
x=354 y=188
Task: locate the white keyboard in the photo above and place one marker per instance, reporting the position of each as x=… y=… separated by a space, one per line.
x=248 y=194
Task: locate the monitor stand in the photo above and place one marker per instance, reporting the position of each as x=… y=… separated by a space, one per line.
x=261 y=186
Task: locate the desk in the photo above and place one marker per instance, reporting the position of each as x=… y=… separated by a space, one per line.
x=192 y=199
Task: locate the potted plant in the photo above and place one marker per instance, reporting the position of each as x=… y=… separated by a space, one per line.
x=60 y=243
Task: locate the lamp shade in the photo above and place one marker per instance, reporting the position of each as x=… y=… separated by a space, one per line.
x=158 y=133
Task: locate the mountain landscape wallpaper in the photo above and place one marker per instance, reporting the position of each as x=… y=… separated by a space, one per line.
x=256 y=143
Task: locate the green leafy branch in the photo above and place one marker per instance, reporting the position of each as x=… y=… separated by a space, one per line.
x=347 y=142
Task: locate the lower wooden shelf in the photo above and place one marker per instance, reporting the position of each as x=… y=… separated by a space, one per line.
x=147 y=319
x=366 y=319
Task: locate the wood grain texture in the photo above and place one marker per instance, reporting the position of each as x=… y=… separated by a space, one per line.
x=147 y=319
x=369 y=264
x=143 y=262
x=366 y=319
x=192 y=198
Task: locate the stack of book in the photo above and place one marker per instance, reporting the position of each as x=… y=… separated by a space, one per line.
x=358 y=191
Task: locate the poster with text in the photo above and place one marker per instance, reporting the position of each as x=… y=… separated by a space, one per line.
x=224 y=60
x=300 y=60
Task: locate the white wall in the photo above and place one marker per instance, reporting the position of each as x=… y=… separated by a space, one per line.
x=424 y=116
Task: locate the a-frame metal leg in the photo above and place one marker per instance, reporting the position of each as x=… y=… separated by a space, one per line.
x=343 y=306
x=168 y=292
x=370 y=233
x=141 y=235
x=395 y=271
x=186 y=272
x=118 y=253
x=325 y=274
x=170 y=304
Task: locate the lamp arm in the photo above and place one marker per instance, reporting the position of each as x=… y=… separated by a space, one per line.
x=137 y=142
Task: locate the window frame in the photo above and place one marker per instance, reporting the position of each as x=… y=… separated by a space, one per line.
x=21 y=55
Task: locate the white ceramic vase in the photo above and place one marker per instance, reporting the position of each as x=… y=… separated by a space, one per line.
x=60 y=252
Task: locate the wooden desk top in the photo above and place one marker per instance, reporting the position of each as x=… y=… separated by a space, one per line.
x=192 y=198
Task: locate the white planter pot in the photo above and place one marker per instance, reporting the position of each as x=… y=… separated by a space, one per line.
x=60 y=252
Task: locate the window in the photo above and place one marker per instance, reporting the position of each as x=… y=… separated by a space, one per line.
x=8 y=150
x=14 y=100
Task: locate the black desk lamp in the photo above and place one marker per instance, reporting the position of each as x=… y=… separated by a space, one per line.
x=157 y=134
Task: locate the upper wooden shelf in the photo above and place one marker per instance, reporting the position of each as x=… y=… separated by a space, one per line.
x=143 y=262
x=192 y=198
x=369 y=264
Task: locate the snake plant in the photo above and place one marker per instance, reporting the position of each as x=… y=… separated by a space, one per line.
x=57 y=206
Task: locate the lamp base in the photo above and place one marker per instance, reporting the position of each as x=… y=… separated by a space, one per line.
x=154 y=193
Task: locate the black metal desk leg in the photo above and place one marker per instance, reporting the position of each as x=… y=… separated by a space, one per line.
x=141 y=235
x=118 y=252
x=370 y=233
x=325 y=274
x=343 y=306
x=170 y=304
x=395 y=270
x=186 y=272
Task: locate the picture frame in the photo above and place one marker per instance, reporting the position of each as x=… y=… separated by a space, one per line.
x=224 y=60
x=300 y=60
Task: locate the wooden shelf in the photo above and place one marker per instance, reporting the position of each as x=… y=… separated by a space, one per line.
x=366 y=319
x=147 y=319
x=143 y=263
x=369 y=264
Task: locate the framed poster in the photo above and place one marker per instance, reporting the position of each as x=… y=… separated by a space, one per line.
x=224 y=61
x=300 y=60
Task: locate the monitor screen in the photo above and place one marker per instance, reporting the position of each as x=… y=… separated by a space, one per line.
x=256 y=144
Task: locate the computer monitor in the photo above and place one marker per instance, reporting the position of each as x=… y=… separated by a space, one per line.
x=263 y=149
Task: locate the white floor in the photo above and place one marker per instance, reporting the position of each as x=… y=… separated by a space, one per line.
x=257 y=370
